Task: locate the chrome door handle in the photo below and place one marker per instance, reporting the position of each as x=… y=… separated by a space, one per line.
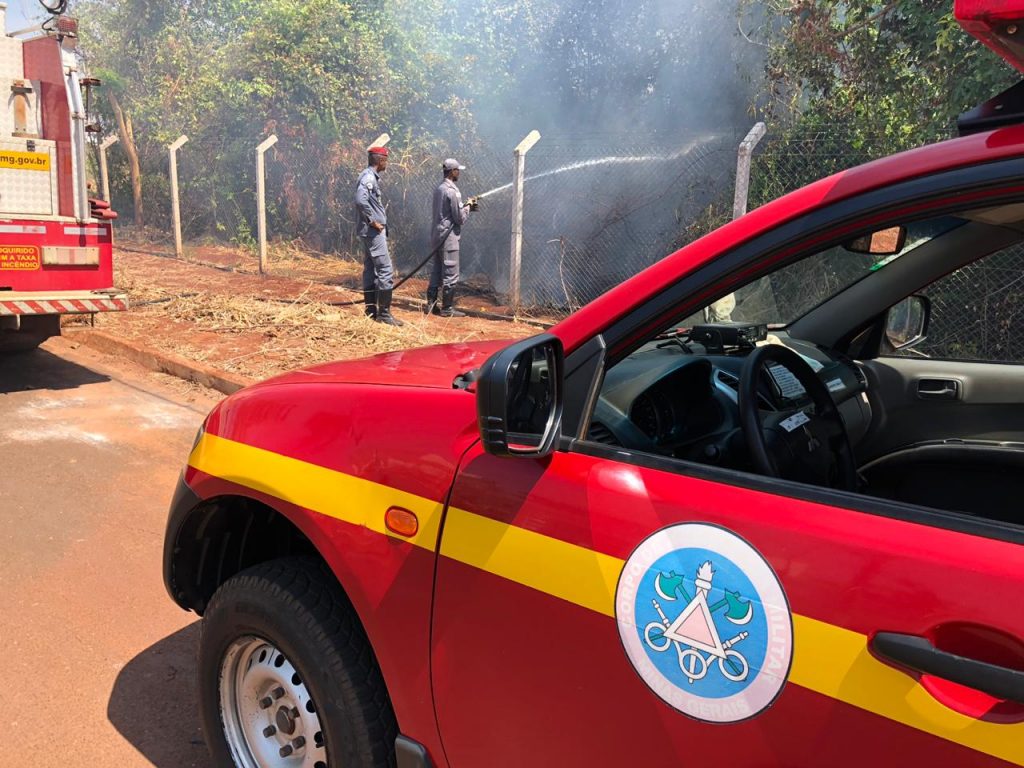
x=919 y=654
x=938 y=389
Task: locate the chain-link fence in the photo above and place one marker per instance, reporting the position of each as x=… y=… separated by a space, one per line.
x=597 y=210
x=977 y=312
x=601 y=209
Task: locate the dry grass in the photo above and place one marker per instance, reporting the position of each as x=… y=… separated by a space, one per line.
x=294 y=334
x=138 y=288
x=295 y=258
x=261 y=326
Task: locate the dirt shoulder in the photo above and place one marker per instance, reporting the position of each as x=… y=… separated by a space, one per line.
x=258 y=326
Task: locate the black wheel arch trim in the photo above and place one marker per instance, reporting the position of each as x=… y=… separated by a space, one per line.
x=183 y=503
x=208 y=540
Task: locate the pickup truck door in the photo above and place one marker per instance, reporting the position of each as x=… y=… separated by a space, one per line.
x=599 y=607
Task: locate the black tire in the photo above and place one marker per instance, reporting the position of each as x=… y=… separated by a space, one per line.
x=297 y=605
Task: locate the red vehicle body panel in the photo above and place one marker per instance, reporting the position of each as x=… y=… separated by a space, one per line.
x=999 y=24
x=389 y=581
x=406 y=441
x=50 y=278
x=425 y=367
x=575 y=656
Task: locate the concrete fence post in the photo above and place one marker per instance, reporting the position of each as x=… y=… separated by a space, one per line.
x=743 y=159
x=106 y=144
x=380 y=141
x=518 y=200
x=261 y=198
x=721 y=311
x=173 y=148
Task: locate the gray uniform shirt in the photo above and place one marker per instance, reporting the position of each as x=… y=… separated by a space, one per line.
x=369 y=203
x=448 y=212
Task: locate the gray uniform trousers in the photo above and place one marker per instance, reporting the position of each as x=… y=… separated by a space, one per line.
x=369 y=203
x=448 y=217
x=377 y=270
x=446 y=267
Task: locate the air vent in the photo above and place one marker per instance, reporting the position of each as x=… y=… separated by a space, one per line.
x=852 y=364
x=729 y=380
x=599 y=433
x=733 y=383
x=862 y=378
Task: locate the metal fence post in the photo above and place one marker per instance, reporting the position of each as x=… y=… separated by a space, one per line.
x=104 y=175
x=261 y=198
x=175 y=207
x=743 y=159
x=518 y=184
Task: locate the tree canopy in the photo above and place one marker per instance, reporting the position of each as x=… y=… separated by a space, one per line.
x=329 y=75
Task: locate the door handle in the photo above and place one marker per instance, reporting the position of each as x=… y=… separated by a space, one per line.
x=938 y=389
x=919 y=654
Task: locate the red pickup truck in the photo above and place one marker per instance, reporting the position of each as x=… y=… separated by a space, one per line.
x=640 y=538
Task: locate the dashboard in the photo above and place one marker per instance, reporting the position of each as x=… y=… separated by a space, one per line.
x=675 y=399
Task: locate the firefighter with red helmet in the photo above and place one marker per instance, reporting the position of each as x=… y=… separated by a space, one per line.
x=372 y=218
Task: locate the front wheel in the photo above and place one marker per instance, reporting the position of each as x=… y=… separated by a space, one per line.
x=287 y=676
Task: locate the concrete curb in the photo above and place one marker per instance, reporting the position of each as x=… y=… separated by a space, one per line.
x=161 y=362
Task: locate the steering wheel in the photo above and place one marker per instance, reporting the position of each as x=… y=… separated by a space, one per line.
x=802 y=444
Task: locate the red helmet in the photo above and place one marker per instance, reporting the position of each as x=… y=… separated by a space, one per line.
x=379 y=151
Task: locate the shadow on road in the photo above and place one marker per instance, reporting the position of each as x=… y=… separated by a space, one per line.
x=153 y=703
x=39 y=369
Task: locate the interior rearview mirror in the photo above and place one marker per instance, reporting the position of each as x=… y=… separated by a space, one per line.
x=884 y=242
x=519 y=398
x=907 y=322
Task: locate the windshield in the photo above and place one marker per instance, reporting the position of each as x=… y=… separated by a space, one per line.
x=792 y=291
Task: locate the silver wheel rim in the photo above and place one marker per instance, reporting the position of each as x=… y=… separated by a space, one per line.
x=268 y=715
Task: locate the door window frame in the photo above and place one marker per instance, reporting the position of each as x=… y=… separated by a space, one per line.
x=938 y=194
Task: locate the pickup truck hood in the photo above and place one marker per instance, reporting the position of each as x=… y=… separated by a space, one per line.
x=424 y=367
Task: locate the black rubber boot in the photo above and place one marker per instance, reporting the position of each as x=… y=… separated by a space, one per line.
x=384 y=309
x=432 y=305
x=370 y=300
x=448 y=303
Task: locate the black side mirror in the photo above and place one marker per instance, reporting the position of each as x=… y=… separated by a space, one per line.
x=519 y=398
x=907 y=322
x=884 y=242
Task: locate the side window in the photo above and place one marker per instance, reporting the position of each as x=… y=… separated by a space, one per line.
x=977 y=312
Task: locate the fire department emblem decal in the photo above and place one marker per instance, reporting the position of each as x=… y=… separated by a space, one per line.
x=705 y=622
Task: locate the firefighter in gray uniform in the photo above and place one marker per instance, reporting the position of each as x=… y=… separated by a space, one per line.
x=378 y=276
x=449 y=214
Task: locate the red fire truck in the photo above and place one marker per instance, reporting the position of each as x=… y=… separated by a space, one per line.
x=55 y=242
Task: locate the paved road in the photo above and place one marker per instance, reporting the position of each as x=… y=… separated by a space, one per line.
x=96 y=663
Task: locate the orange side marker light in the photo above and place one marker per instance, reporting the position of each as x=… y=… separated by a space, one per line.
x=401 y=521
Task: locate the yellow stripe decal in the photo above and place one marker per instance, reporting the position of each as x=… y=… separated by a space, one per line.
x=351 y=499
x=573 y=573
x=827 y=659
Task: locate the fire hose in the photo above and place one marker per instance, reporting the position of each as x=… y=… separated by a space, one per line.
x=473 y=205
